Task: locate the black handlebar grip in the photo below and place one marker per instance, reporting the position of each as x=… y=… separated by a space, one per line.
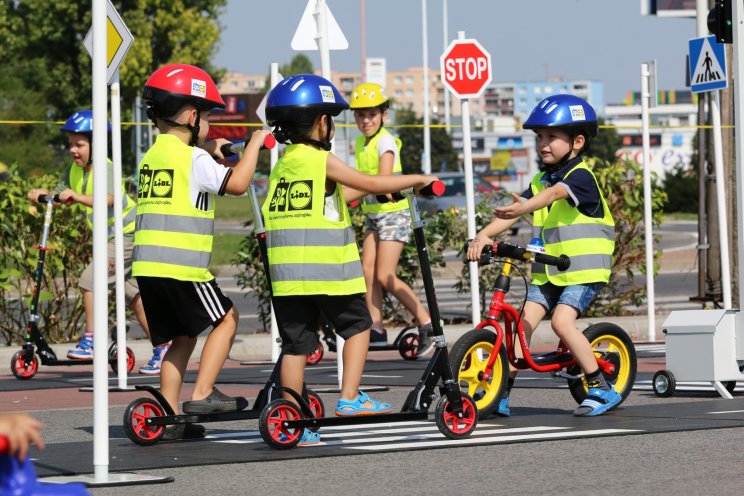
x=434 y=188
x=561 y=263
x=55 y=198
x=397 y=196
x=226 y=150
x=230 y=149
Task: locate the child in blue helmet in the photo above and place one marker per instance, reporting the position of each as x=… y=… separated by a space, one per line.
x=571 y=217
x=312 y=252
x=77 y=186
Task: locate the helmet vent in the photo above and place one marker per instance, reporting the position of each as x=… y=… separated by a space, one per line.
x=297 y=84
x=175 y=71
x=551 y=108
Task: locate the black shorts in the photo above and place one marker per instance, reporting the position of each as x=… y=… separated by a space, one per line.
x=181 y=308
x=297 y=318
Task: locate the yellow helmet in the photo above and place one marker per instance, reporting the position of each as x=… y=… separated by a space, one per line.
x=368 y=95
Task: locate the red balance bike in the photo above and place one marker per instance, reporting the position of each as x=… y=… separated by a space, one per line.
x=25 y=363
x=481 y=357
x=282 y=421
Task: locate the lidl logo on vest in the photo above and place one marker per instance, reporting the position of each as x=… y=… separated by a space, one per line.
x=297 y=195
x=155 y=184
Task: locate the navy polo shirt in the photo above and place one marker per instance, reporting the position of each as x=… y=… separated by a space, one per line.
x=580 y=185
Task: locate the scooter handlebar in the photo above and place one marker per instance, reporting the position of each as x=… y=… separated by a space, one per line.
x=4 y=444
x=230 y=149
x=434 y=188
x=508 y=250
x=54 y=198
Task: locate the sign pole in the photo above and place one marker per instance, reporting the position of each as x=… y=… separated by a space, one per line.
x=738 y=64
x=274 y=158
x=721 y=199
x=647 y=214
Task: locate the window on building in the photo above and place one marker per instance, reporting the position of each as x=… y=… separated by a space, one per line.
x=397 y=80
x=409 y=79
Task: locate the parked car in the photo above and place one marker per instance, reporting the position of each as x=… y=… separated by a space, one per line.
x=454 y=196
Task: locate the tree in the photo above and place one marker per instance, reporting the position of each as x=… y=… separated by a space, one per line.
x=605 y=146
x=412 y=136
x=43 y=45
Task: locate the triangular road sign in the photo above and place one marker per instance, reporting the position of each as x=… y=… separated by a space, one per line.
x=305 y=36
x=118 y=41
x=707 y=65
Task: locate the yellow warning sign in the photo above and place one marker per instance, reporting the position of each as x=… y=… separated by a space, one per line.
x=113 y=41
x=118 y=41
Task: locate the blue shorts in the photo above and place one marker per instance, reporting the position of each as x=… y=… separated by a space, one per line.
x=578 y=296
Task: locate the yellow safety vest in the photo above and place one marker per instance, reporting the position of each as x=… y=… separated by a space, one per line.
x=368 y=161
x=173 y=238
x=308 y=253
x=82 y=183
x=588 y=241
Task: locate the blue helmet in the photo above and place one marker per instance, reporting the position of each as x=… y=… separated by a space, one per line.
x=567 y=112
x=302 y=98
x=81 y=122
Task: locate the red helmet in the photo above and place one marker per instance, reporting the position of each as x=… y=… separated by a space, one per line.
x=173 y=85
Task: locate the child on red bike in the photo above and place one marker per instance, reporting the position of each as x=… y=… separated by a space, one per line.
x=571 y=217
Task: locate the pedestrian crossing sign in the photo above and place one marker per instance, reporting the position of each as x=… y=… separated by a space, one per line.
x=707 y=65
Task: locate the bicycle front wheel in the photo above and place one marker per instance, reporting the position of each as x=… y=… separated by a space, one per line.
x=468 y=359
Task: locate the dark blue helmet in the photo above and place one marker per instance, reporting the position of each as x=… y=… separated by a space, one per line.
x=81 y=122
x=302 y=98
x=567 y=112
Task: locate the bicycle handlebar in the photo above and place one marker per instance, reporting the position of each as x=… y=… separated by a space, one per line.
x=434 y=188
x=230 y=149
x=4 y=444
x=508 y=250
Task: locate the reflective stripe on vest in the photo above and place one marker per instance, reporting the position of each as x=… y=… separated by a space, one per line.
x=308 y=253
x=82 y=183
x=589 y=242
x=173 y=238
x=368 y=162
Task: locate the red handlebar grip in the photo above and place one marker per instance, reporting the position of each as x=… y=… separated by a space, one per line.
x=269 y=142
x=438 y=188
x=4 y=444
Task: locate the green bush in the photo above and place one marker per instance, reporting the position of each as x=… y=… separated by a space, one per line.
x=681 y=187
x=60 y=307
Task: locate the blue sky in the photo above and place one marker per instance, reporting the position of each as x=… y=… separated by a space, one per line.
x=604 y=40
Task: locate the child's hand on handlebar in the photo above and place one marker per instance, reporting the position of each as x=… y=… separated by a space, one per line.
x=258 y=137
x=67 y=196
x=35 y=193
x=476 y=247
x=213 y=147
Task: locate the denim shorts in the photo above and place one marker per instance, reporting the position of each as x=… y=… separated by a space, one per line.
x=578 y=296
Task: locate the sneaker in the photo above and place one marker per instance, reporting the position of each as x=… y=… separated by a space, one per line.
x=153 y=366
x=597 y=402
x=378 y=338
x=84 y=348
x=214 y=403
x=504 y=410
x=425 y=343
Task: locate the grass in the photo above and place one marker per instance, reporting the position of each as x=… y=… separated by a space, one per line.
x=233 y=208
x=680 y=216
x=223 y=250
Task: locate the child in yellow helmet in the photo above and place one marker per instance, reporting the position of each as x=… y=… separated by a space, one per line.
x=388 y=224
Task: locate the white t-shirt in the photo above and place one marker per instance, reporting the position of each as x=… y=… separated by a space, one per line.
x=386 y=144
x=207 y=176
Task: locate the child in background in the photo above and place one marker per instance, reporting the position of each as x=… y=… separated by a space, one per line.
x=570 y=216
x=173 y=240
x=312 y=252
x=388 y=225
x=77 y=186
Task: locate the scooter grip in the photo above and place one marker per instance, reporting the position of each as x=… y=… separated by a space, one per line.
x=55 y=198
x=434 y=188
x=486 y=255
x=397 y=196
x=561 y=263
x=230 y=149
x=4 y=444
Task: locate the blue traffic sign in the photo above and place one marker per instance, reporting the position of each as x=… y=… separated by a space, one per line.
x=707 y=65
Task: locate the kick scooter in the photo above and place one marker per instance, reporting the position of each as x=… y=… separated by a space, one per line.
x=481 y=357
x=25 y=363
x=145 y=419
x=282 y=421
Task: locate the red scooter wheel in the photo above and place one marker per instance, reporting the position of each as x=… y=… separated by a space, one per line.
x=135 y=421
x=22 y=367
x=317 y=355
x=316 y=406
x=455 y=426
x=272 y=428
x=113 y=355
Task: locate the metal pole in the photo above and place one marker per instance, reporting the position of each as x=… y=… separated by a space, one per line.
x=647 y=214
x=426 y=158
x=274 y=157
x=100 y=240
x=364 y=41
x=721 y=198
x=445 y=93
x=121 y=330
x=738 y=65
x=467 y=153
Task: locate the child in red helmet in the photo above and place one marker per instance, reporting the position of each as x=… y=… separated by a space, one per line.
x=173 y=240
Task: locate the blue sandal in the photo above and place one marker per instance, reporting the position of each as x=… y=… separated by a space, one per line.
x=358 y=406
x=308 y=438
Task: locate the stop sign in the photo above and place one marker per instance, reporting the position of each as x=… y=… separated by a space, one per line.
x=465 y=68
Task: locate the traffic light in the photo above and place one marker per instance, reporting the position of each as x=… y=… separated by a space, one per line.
x=720 y=23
